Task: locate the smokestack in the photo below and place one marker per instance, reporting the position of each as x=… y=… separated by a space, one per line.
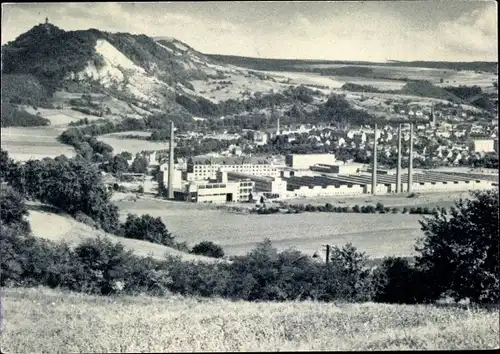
x=171 y=163
x=398 y=169
x=374 y=168
x=278 y=127
x=410 y=161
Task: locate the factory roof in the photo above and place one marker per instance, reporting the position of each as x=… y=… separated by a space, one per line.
x=250 y=176
x=209 y=160
x=428 y=177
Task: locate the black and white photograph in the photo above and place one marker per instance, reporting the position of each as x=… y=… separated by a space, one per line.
x=249 y=176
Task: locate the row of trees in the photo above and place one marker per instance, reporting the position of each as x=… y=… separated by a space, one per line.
x=329 y=208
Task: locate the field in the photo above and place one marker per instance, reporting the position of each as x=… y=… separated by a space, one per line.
x=24 y=143
x=429 y=200
x=133 y=146
x=450 y=77
x=379 y=235
x=60 y=117
x=59 y=227
x=42 y=320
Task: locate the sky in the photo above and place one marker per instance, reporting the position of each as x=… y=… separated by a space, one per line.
x=451 y=30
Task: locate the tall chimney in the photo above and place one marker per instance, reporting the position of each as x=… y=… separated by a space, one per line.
x=374 y=167
x=398 y=169
x=410 y=161
x=171 y=163
x=278 y=127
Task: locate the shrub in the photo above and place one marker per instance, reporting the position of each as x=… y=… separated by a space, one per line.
x=352 y=267
x=395 y=281
x=29 y=261
x=102 y=266
x=84 y=218
x=460 y=252
x=182 y=246
x=209 y=249
x=147 y=228
x=356 y=208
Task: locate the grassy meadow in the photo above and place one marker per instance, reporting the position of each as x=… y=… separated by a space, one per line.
x=134 y=146
x=43 y=320
x=378 y=235
x=25 y=143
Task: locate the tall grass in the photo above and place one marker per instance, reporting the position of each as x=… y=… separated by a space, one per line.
x=41 y=320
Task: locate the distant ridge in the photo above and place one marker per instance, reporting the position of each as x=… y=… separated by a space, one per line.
x=291 y=64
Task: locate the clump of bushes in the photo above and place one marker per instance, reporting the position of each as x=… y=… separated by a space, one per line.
x=147 y=228
x=209 y=249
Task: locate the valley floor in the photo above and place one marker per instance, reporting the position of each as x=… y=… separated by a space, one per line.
x=43 y=320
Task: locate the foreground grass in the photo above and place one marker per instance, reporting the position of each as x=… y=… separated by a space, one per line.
x=42 y=320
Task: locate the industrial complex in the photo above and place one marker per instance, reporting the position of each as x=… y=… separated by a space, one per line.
x=223 y=180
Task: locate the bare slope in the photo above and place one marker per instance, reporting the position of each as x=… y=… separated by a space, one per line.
x=41 y=320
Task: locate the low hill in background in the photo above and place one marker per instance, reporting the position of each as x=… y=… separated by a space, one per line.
x=292 y=64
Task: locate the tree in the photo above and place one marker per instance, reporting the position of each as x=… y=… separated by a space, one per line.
x=13 y=209
x=7 y=167
x=74 y=185
x=139 y=165
x=127 y=155
x=460 y=252
x=119 y=165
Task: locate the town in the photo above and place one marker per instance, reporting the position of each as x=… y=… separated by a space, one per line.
x=448 y=155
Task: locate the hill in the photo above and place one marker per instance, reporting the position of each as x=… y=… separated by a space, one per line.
x=426 y=89
x=68 y=322
x=115 y=76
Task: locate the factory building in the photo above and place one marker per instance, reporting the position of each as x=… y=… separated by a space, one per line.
x=483 y=145
x=266 y=185
x=321 y=187
x=429 y=182
x=205 y=168
x=219 y=190
x=348 y=168
x=305 y=161
x=177 y=181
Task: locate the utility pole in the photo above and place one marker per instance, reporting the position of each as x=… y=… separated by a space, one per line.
x=327 y=253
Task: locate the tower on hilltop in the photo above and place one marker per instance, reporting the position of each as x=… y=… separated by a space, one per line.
x=46 y=25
